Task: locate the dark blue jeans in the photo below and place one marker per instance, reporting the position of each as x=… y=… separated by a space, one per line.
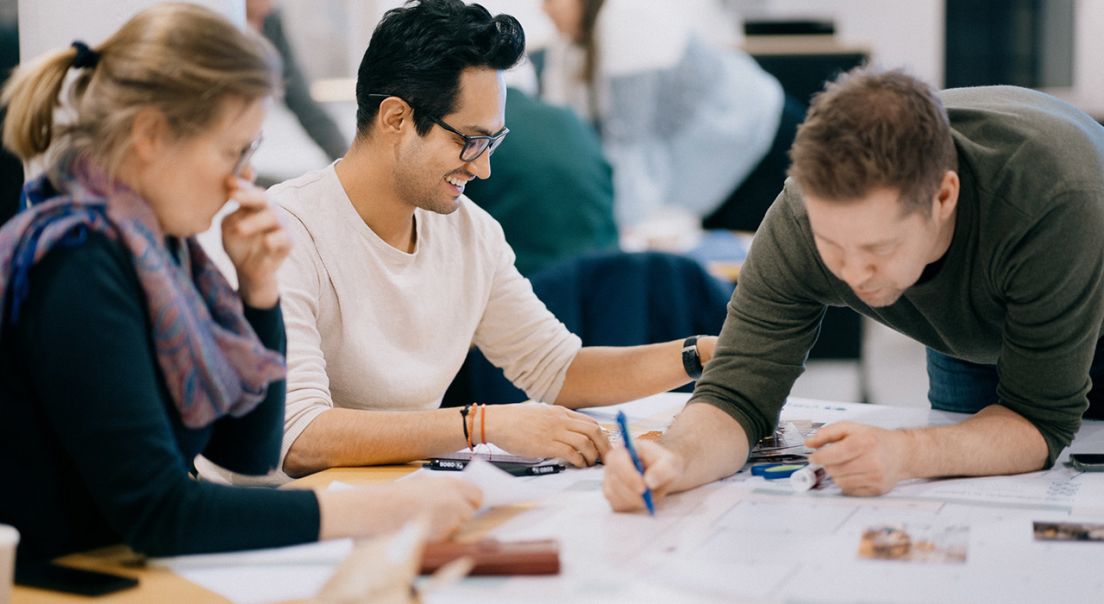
x=965 y=387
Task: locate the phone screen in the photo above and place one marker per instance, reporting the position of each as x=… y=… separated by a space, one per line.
x=1089 y=459
x=71 y=580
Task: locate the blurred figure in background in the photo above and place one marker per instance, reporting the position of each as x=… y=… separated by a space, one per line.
x=552 y=190
x=265 y=19
x=686 y=119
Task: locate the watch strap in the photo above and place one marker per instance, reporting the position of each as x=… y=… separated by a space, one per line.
x=691 y=360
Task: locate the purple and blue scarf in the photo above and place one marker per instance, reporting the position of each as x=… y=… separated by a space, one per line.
x=211 y=359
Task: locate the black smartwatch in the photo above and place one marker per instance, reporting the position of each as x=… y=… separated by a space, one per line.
x=691 y=360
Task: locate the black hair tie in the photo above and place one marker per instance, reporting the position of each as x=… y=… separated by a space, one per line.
x=86 y=57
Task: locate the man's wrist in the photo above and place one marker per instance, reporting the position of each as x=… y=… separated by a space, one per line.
x=707 y=346
x=909 y=441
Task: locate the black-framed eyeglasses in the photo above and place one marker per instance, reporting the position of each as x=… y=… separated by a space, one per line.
x=246 y=155
x=474 y=146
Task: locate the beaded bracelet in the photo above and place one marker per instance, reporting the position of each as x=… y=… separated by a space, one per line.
x=464 y=421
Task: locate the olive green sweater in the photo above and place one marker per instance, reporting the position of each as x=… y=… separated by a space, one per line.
x=1022 y=285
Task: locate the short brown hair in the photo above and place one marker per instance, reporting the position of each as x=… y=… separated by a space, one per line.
x=179 y=58
x=869 y=130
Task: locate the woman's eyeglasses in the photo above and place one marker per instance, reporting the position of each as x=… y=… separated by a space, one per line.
x=246 y=155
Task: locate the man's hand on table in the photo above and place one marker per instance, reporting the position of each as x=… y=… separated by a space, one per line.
x=863 y=460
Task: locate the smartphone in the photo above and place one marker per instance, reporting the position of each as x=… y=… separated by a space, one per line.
x=1087 y=462
x=510 y=467
x=70 y=580
x=756 y=457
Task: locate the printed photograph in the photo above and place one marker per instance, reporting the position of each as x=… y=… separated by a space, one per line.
x=925 y=544
x=1069 y=531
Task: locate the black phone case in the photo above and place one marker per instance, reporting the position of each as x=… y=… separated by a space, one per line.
x=71 y=580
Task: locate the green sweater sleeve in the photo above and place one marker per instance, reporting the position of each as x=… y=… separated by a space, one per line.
x=92 y=366
x=773 y=321
x=1052 y=278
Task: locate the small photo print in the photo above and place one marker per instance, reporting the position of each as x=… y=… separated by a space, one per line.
x=916 y=543
x=1069 y=531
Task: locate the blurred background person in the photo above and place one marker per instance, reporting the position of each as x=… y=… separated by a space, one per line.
x=686 y=119
x=264 y=17
x=552 y=189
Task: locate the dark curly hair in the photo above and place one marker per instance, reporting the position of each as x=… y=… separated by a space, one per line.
x=417 y=53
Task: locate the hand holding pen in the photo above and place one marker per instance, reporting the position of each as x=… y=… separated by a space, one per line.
x=624 y=483
x=626 y=438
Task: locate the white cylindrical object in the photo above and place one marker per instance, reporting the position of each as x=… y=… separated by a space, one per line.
x=9 y=539
x=807 y=478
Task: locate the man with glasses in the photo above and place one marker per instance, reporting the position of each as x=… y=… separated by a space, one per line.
x=396 y=274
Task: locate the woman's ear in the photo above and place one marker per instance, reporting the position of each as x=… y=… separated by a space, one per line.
x=149 y=134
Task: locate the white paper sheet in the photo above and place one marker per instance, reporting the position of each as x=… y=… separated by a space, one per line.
x=750 y=539
x=268 y=575
x=747 y=538
x=1059 y=489
x=653 y=412
x=499 y=487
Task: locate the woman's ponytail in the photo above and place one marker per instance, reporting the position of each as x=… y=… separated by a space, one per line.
x=31 y=97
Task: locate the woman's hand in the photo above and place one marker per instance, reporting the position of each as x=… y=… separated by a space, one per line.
x=445 y=503
x=257 y=243
x=540 y=430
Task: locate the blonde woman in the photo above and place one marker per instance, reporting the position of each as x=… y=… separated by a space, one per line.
x=123 y=352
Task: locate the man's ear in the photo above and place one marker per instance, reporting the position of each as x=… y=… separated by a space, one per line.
x=149 y=134
x=946 y=198
x=393 y=115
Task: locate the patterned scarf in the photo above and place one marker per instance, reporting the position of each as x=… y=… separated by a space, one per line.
x=211 y=359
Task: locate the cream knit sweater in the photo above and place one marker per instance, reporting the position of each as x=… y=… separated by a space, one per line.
x=373 y=327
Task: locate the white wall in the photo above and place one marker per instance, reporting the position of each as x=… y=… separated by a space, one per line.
x=332 y=34
x=899 y=33
x=50 y=24
x=910 y=33
x=1088 y=76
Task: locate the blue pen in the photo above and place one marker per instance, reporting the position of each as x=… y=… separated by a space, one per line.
x=624 y=425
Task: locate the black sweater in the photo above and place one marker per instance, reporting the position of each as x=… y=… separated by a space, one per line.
x=92 y=449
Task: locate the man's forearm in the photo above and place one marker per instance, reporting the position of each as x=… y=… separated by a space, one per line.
x=353 y=437
x=996 y=440
x=603 y=375
x=710 y=443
